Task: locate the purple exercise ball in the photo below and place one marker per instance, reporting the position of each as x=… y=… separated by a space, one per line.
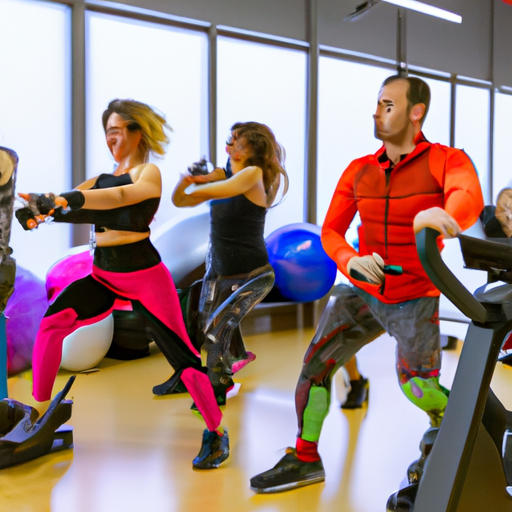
x=24 y=312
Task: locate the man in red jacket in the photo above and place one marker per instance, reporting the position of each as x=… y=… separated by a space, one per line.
x=407 y=185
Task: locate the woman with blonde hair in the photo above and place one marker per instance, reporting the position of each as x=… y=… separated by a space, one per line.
x=121 y=206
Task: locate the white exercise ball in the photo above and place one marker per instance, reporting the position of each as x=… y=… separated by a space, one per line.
x=87 y=346
x=183 y=244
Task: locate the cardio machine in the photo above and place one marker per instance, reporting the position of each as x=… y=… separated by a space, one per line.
x=469 y=468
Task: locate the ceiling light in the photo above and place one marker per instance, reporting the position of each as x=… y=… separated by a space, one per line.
x=414 y=5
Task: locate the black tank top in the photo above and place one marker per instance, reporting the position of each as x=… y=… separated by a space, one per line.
x=236 y=236
x=135 y=217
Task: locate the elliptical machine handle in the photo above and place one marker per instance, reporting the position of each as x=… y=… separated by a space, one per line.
x=443 y=278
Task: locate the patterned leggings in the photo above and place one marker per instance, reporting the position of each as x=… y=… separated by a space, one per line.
x=91 y=299
x=352 y=319
x=224 y=302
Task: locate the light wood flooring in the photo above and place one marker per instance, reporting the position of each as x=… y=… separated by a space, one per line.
x=133 y=451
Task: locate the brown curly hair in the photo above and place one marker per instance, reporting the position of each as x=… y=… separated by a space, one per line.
x=264 y=152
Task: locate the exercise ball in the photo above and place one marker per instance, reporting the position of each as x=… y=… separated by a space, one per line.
x=303 y=270
x=87 y=346
x=67 y=270
x=24 y=312
x=182 y=245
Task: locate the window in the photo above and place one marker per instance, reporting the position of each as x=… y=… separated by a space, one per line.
x=502 y=168
x=257 y=82
x=437 y=124
x=472 y=130
x=35 y=116
x=347 y=100
x=162 y=66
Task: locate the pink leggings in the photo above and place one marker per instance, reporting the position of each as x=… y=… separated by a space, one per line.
x=92 y=298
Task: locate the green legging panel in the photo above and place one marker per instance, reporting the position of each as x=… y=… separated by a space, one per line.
x=428 y=395
x=315 y=413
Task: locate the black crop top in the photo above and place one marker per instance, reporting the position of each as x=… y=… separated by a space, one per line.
x=135 y=217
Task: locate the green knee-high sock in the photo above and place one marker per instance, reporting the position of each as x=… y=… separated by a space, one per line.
x=315 y=413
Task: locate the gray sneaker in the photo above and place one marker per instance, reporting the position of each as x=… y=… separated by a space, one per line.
x=290 y=472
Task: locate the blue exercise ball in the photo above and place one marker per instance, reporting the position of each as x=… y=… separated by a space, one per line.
x=303 y=270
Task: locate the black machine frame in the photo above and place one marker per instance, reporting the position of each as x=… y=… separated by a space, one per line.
x=465 y=470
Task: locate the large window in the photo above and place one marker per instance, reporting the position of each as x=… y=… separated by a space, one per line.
x=35 y=116
x=502 y=168
x=437 y=124
x=472 y=130
x=257 y=82
x=167 y=67
x=162 y=66
x=347 y=101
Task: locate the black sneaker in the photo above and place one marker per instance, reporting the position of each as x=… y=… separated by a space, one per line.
x=290 y=472
x=403 y=500
x=214 y=450
x=358 y=394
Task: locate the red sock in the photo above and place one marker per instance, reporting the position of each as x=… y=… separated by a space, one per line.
x=508 y=343
x=307 y=451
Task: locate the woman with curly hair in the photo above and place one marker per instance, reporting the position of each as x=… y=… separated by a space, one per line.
x=238 y=273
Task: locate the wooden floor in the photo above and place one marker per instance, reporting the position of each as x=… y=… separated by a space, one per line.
x=133 y=451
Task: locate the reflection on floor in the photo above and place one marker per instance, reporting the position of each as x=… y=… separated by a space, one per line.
x=133 y=451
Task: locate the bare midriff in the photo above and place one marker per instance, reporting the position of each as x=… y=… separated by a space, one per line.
x=112 y=237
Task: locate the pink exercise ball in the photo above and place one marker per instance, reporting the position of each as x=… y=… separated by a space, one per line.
x=67 y=270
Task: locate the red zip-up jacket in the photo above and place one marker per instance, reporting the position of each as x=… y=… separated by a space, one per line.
x=387 y=202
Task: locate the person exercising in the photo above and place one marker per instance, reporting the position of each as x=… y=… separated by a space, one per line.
x=407 y=185
x=126 y=265
x=238 y=274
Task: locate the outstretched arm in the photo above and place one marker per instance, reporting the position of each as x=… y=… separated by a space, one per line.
x=463 y=196
x=181 y=199
x=86 y=185
x=239 y=183
x=147 y=185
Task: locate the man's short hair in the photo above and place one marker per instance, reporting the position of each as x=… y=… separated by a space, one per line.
x=418 y=91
